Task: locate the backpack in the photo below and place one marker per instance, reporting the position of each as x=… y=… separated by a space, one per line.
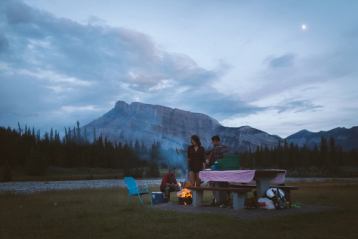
x=277 y=196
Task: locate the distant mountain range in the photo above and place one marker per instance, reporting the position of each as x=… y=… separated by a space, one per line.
x=346 y=138
x=147 y=124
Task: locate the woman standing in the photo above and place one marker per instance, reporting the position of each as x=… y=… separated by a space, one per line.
x=196 y=160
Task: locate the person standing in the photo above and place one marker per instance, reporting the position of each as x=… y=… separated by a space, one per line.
x=196 y=160
x=217 y=153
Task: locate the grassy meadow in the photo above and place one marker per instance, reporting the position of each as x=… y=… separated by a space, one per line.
x=106 y=214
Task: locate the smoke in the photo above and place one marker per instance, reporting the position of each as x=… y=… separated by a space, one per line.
x=174 y=157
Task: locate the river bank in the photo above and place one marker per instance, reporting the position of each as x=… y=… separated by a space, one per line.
x=43 y=186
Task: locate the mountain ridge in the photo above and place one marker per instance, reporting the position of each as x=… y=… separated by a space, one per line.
x=172 y=127
x=346 y=138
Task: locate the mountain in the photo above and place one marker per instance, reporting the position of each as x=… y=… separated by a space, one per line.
x=346 y=138
x=147 y=124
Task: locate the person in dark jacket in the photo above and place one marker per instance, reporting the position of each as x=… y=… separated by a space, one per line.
x=196 y=160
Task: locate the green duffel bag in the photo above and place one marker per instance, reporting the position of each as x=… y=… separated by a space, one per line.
x=229 y=162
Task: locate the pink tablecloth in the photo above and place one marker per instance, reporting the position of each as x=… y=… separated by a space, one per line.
x=237 y=176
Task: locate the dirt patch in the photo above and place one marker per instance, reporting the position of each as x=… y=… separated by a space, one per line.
x=247 y=214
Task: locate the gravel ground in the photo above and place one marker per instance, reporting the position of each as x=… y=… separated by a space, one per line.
x=34 y=186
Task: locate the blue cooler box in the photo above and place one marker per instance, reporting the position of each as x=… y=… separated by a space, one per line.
x=157 y=197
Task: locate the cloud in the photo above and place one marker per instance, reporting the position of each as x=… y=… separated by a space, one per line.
x=316 y=92
x=286 y=60
x=56 y=71
x=312 y=88
x=297 y=106
x=4 y=44
x=18 y=13
x=352 y=33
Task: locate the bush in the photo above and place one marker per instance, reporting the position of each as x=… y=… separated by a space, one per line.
x=6 y=174
x=153 y=171
x=36 y=165
x=134 y=172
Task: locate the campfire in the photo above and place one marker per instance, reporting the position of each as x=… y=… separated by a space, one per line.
x=185 y=196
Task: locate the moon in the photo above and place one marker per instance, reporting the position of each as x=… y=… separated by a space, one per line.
x=304 y=27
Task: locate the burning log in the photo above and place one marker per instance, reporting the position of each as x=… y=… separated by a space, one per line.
x=185 y=196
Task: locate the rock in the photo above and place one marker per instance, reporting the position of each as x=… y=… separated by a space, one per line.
x=173 y=127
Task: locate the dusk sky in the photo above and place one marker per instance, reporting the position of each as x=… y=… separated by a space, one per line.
x=279 y=65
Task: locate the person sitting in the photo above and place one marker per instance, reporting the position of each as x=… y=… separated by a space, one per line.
x=169 y=184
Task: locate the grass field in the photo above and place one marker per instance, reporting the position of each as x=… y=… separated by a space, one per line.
x=105 y=214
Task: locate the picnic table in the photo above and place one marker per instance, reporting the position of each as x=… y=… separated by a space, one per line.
x=263 y=178
x=238 y=183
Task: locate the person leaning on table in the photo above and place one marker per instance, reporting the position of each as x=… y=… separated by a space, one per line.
x=196 y=160
x=217 y=153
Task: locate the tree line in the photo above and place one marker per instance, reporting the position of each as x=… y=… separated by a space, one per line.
x=26 y=149
x=325 y=159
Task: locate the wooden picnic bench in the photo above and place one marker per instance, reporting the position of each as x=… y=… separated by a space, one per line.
x=239 y=195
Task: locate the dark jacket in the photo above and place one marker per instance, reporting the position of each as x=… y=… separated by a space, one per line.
x=217 y=153
x=196 y=158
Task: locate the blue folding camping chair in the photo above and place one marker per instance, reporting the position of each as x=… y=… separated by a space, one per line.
x=134 y=190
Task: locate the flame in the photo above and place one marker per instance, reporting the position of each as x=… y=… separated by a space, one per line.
x=184 y=193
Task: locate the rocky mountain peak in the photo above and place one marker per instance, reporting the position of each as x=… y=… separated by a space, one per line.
x=173 y=127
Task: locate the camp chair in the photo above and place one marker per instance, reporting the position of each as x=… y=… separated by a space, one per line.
x=134 y=190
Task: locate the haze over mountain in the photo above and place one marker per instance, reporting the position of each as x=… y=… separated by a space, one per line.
x=173 y=127
x=148 y=123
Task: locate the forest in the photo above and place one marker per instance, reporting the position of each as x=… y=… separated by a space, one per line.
x=28 y=150
x=32 y=152
x=325 y=159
